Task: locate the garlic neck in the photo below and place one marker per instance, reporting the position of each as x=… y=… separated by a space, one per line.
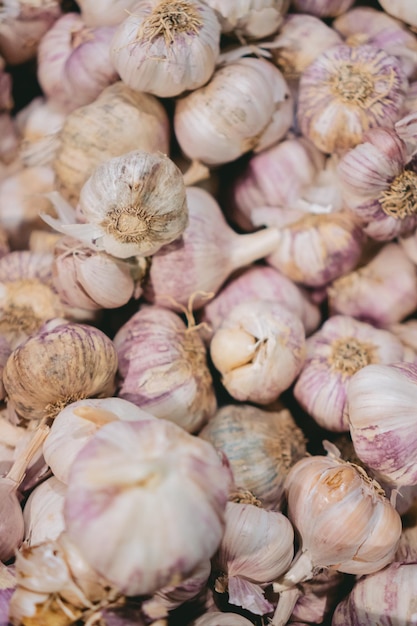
x=245 y=249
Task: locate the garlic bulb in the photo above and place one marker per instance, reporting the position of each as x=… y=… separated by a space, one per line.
x=167 y=47
x=73 y=61
x=43 y=512
x=259 y=350
x=221 y=619
x=126 y=472
x=317 y=249
x=247 y=105
x=107 y=13
x=260 y=281
x=382 y=423
x=58 y=366
x=74 y=426
x=346 y=91
x=249 y=18
x=404 y=10
x=131 y=205
x=343 y=519
x=319 y=597
x=382 y=292
x=341 y=347
x=323 y=8
x=260 y=446
x=163 y=368
x=186 y=271
x=384 y=598
x=118 y=121
x=257 y=547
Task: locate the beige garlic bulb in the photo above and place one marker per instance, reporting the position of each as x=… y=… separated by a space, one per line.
x=249 y=18
x=58 y=366
x=118 y=121
x=131 y=205
x=166 y=47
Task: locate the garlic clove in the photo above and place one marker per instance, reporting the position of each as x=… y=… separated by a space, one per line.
x=43 y=512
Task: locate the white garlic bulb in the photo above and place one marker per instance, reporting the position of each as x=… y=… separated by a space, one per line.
x=166 y=47
x=131 y=205
x=151 y=493
x=43 y=512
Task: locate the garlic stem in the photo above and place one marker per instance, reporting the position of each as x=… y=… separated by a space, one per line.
x=196 y=173
x=300 y=570
x=286 y=603
x=254 y=246
x=19 y=467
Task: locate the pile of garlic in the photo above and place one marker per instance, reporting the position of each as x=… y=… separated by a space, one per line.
x=208 y=312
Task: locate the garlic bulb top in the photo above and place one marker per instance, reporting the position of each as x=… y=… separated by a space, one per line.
x=131 y=205
x=166 y=47
x=346 y=91
x=154 y=496
x=249 y=18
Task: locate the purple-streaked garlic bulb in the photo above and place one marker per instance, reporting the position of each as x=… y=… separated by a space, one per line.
x=316 y=249
x=404 y=10
x=261 y=281
x=57 y=366
x=121 y=477
x=379 y=184
x=74 y=61
x=163 y=368
x=342 y=517
x=8 y=584
x=322 y=8
x=43 y=512
x=260 y=446
x=166 y=47
x=382 y=420
x=368 y=25
x=384 y=598
x=257 y=547
x=74 y=426
x=197 y=264
x=382 y=292
x=254 y=19
x=259 y=350
x=346 y=91
x=341 y=347
x=246 y=105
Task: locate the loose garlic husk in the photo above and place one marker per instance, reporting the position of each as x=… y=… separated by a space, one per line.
x=139 y=468
x=382 y=420
x=196 y=265
x=382 y=292
x=131 y=205
x=84 y=364
x=343 y=519
x=257 y=547
x=163 y=368
x=247 y=105
x=259 y=350
x=346 y=91
x=74 y=426
x=260 y=446
x=341 y=347
x=384 y=598
x=167 y=47
x=249 y=18
x=260 y=281
x=73 y=61
x=118 y=121
x=404 y=10
x=43 y=512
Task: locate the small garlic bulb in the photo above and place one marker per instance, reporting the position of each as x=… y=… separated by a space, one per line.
x=121 y=477
x=163 y=368
x=251 y=19
x=341 y=347
x=260 y=446
x=131 y=205
x=58 y=366
x=346 y=91
x=166 y=47
x=247 y=105
x=43 y=512
x=259 y=350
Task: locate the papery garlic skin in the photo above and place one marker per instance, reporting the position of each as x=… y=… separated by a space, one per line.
x=237 y=111
x=163 y=368
x=249 y=18
x=131 y=205
x=74 y=426
x=260 y=446
x=257 y=547
x=346 y=91
x=259 y=349
x=384 y=598
x=341 y=347
x=404 y=10
x=43 y=512
x=139 y=468
x=167 y=47
x=382 y=420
